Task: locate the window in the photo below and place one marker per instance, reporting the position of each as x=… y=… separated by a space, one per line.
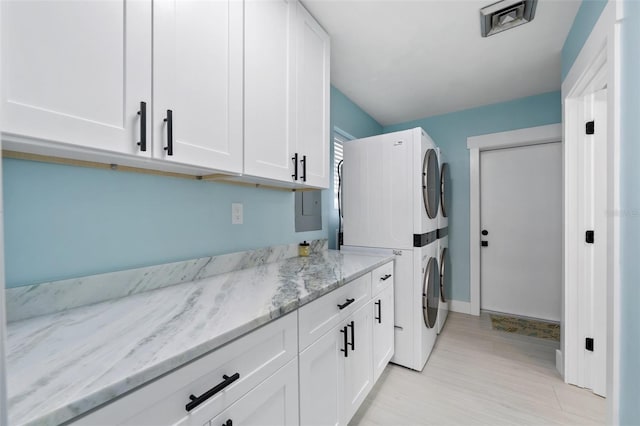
x=338 y=140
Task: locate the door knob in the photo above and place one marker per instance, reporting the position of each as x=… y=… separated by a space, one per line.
x=485 y=232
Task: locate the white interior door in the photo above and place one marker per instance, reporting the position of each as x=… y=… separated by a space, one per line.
x=198 y=77
x=521 y=213
x=592 y=257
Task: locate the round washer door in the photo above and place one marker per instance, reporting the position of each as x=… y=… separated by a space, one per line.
x=443 y=271
x=444 y=189
x=431 y=183
x=430 y=290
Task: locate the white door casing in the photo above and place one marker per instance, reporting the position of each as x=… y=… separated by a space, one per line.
x=521 y=210
x=596 y=67
x=475 y=144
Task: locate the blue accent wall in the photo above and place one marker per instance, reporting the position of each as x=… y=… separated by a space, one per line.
x=586 y=18
x=63 y=221
x=347 y=117
x=450 y=133
x=629 y=409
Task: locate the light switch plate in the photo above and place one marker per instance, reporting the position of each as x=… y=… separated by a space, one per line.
x=236 y=214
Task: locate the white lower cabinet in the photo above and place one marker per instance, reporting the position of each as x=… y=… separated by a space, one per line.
x=322 y=380
x=272 y=403
x=383 y=331
x=358 y=372
x=336 y=372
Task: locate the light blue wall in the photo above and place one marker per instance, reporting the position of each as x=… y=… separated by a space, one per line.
x=351 y=119
x=63 y=221
x=585 y=19
x=450 y=133
x=630 y=216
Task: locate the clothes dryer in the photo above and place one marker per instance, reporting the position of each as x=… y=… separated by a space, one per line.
x=390 y=190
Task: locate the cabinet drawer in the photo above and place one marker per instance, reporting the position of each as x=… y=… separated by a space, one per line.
x=254 y=357
x=273 y=403
x=381 y=277
x=320 y=316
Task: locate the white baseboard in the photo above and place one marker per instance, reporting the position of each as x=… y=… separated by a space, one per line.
x=559 y=363
x=460 y=307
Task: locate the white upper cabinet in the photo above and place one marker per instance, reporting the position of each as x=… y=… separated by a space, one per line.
x=286 y=99
x=197 y=74
x=312 y=103
x=268 y=81
x=75 y=72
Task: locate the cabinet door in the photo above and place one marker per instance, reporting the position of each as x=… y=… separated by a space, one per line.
x=382 y=330
x=312 y=105
x=322 y=381
x=273 y=403
x=75 y=72
x=269 y=89
x=358 y=371
x=197 y=73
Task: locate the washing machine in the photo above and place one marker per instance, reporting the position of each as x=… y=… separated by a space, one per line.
x=417 y=296
x=443 y=242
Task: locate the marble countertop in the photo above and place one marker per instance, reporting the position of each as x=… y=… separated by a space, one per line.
x=65 y=364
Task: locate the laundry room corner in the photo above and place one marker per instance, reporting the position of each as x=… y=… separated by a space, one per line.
x=450 y=133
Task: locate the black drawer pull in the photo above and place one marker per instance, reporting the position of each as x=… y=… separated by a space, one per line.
x=386 y=277
x=228 y=423
x=197 y=400
x=346 y=342
x=169 y=121
x=143 y=126
x=353 y=336
x=379 y=317
x=347 y=303
x=295 y=166
x=304 y=168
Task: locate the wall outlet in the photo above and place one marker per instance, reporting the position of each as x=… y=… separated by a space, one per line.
x=236 y=214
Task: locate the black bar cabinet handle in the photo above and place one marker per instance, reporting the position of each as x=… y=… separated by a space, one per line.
x=347 y=303
x=197 y=400
x=346 y=342
x=304 y=168
x=228 y=423
x=169 y=121
x=143 y=126
x=352 y=325
x=379 y=317
x=386 y=277
x=295 y=166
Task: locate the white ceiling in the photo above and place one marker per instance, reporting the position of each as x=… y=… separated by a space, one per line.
x=403 y=60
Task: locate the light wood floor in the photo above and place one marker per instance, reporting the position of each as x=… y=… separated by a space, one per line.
x=480 y=376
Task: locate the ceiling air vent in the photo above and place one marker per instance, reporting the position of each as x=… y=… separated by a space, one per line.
x=506 y=14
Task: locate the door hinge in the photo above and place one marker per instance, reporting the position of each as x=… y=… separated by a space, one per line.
x=590 y=127
x=588 y=344
x=589 y=237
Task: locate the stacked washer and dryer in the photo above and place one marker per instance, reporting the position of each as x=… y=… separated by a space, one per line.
x=391 y=194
